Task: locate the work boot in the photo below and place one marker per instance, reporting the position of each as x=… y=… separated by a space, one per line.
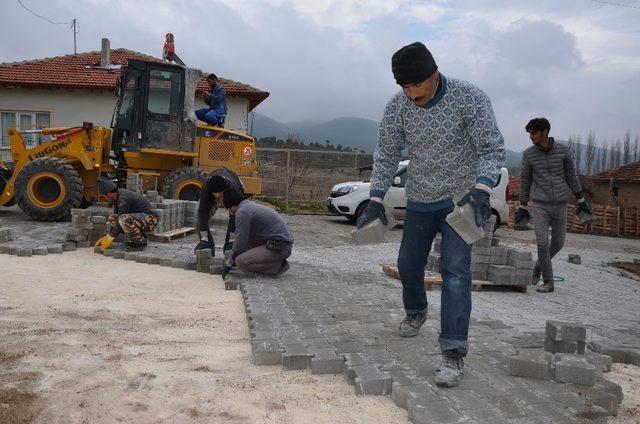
x=451 y=370
x=410 y=325
x=283 y=268
x=135 y=246
x=537 y=273
x=546 y=287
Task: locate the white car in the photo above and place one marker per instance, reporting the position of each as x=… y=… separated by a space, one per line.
x=349 y=199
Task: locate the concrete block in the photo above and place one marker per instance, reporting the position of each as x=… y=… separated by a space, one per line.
x=231 y=284
x=566 y=331
x=143 y=259
x=600 y=361
x=109 y=252
x=605 y=386
x=13 y=250
x=564 y=347
x=326 y=361
x=440 y=412
x=369 y=380
x=531 y=364
x=296 y=357
x=480 y=267
x=574 y=259
x=165 y=261
x=266 y=352
x=130 y=256
x=4 y=250
x=40 y=250
x=498 y=260
x=604 y=400
x=118 y=254
x=154 y=260
x=25 y=251
x=480 y=259
x=98 y=219
x=97 y=250
x=84 y=243
x=499 y=251
x=178 y=263
x=576 y=371
x=190 y=266
x=203 y=253
x=54 y=248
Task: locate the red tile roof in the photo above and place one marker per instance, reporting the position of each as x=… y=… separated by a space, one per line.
x=627 y=174
x=81 y=72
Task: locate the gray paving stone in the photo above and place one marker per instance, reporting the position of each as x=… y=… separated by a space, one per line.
x=564 y=347
x=266 y=352
x=531 y=364
x=575 y=371
x=40 y=250
x=131 y=256
x=25 y=251
x=606 y=386
x=326 y=361
x=178 y=263
x=438 y=412
x=55 y=248
x=566 y=331
x=166 y=261
x=118 y=254
x=296 y=357
x=370 y=380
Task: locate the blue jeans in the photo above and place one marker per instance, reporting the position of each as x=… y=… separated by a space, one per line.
x=420 y=228
x=209 y=116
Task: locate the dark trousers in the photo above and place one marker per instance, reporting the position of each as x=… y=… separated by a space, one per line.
x=420 y=228
x=263 y=260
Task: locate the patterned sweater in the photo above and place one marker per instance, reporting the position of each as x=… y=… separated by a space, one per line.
x=453 y=141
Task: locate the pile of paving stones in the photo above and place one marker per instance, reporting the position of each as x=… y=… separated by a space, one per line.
x=566 y=360
x=87 y=226
x=5 y=234
x=500 y=265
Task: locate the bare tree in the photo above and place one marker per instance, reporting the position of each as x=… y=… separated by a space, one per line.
x=626 y=156
x=636 y=152
x=615 y=155
x=577 y=154
x=604 y=156
x=591 y=154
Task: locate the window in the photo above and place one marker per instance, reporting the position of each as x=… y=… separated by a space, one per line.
x=164 y=92
x=23 y=121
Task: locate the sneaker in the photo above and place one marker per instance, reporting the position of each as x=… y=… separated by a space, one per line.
x=451 y=370
x=546 y=287
x=283 y=268
x=410 y=325
x=537 y=273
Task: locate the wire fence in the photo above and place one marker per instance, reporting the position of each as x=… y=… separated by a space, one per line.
x=306 y=176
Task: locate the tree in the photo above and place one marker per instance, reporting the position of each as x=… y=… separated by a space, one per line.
x=636 y=152
x=604 y=156
x=577 y=154
x=626 y=155
x=590 y=154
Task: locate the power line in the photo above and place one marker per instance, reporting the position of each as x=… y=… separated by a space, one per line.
x=612 y=3
x=43 y=17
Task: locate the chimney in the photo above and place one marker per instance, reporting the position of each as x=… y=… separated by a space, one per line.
x=105 y=53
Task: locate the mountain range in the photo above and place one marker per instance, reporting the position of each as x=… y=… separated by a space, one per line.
x=358 y=133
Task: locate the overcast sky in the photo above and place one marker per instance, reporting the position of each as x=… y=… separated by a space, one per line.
x=577 y=62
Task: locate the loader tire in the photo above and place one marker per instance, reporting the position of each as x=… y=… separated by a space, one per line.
x=47 y=189
x=184 y=184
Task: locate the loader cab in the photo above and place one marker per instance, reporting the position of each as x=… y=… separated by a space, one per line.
x=149 y=113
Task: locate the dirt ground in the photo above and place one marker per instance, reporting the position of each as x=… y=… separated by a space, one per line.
x=628 y=377
x=86 y=339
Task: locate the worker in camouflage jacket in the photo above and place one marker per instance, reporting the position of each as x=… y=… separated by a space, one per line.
x=132 y=216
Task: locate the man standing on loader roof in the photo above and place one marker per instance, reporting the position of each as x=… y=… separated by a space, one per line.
x=548 y=178
x=219 y=181
x=455 y=146
x=132 y=215
x=217 y=101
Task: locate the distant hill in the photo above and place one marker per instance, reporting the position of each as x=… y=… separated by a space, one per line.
x=358 y=133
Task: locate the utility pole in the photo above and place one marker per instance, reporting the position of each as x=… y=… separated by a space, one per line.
x=73 y=23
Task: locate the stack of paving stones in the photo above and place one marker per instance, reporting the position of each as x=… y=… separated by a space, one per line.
x=134 y=182
x=565 y=360
x=171 y=214
x=87 y=226
x=5 y=234
x=205 y=262
x=500 y=265
x=331 y=321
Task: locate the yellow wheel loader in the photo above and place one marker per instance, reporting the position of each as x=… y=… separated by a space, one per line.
x=153 y=133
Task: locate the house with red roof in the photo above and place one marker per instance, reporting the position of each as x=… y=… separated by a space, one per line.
x=67 y=90
x=618 y=187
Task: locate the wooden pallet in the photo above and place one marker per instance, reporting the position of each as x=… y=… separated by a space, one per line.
x=169 y=236
x=433 y=279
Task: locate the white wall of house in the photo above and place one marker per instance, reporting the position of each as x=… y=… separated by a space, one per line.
x=72 y=107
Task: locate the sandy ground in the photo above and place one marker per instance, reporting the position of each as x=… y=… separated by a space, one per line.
x=628 y=377
x=87 y=339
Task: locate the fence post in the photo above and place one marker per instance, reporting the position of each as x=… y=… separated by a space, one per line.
x=286 y=198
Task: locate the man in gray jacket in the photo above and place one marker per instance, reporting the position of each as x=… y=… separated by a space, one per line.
x=549 y=179
x=263 y=240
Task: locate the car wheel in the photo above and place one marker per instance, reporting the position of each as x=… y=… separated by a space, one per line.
x=359 y=211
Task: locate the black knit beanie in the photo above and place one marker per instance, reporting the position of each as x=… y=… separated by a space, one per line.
x=106 y=186
x=231 y=197
x=412 y=64
x=218 y=183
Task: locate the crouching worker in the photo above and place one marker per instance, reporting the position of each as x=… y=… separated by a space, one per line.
x=220 y=180
x=263 y=240
x=132 y=216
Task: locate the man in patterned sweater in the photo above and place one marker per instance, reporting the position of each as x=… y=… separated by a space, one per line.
x=455 y=146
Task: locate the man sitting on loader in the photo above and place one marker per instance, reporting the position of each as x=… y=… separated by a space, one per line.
x=132 y=215
x=216 y=99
